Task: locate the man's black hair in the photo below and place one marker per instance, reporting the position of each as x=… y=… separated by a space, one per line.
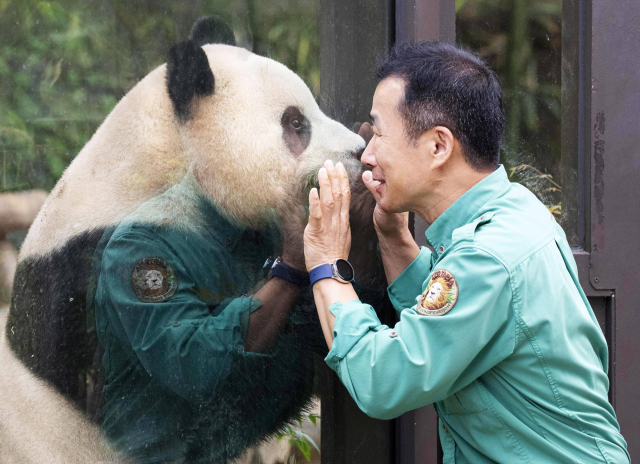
x=452 y=87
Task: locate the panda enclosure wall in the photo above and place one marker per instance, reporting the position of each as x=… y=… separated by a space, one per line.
x=597 y=146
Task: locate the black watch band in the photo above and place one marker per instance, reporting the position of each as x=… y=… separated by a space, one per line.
x=285 y=272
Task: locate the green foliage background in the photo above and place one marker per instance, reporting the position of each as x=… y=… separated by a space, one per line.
x=521 y=41
x=65 y=64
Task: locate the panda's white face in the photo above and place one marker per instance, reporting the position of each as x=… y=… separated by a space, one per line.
x=260 y=135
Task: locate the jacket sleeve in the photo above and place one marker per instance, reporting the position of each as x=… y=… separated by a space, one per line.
x=404 y=290
x=177 y=340
x=425 y=359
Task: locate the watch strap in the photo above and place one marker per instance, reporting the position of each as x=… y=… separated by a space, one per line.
x=285 y=272
x=324 y=271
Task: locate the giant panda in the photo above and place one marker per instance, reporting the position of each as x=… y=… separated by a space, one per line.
x=220 y=115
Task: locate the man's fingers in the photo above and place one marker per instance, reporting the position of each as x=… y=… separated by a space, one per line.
x=334 y=178
x=367 y=178
x=315 y=212
x=326 y=197
x=344 y=187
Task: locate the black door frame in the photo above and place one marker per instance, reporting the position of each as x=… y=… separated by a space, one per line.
x=601 y=138
x=353 y=34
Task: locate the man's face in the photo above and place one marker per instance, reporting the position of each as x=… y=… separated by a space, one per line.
x=395 y=162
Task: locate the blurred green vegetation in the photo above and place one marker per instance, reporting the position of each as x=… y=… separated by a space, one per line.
x=298 y=439
x=521 y=41
x=65 y=64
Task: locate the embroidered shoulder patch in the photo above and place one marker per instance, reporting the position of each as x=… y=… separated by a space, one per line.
x=153 y=280
x=440 y=295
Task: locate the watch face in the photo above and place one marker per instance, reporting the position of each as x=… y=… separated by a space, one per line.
x=344 y=269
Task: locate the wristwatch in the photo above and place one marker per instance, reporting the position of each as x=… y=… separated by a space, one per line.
x=285 y=272
x=340 y=269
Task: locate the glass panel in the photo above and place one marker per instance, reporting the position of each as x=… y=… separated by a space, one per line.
x=64 y=65
x=131 y=290
x=521 y=41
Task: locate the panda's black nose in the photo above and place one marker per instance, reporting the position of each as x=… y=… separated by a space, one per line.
x=358 y=154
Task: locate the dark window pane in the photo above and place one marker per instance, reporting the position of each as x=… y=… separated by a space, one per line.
x=521 y=41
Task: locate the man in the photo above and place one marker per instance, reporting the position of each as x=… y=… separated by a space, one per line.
x=493 y=328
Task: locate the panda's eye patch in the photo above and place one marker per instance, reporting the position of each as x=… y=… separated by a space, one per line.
x=293 y=118
x=296 y=130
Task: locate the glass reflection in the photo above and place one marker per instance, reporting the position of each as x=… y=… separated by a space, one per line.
x=138 y=250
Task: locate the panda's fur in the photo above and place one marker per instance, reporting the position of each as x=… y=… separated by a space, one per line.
x=219 y=111
x=37 y=424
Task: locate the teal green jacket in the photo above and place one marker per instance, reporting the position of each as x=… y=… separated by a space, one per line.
x=172 y=308
x=495 y=330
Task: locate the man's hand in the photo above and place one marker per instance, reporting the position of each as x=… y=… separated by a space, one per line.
x=327 y=237
x=389 y=226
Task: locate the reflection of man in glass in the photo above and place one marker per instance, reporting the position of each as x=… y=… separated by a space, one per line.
x=189 y=330
x=512 y=355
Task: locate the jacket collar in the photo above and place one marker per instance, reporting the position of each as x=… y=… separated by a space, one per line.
x=466 y=208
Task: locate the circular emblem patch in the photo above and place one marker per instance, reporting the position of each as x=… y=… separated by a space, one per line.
x=440 y=296
x=153 y=280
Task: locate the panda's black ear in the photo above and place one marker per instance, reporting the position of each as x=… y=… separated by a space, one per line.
x=188 y=76
x=211 y=30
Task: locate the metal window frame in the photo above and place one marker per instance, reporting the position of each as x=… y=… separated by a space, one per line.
x=608 y=138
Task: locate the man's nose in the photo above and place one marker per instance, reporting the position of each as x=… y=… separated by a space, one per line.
x=368 y=158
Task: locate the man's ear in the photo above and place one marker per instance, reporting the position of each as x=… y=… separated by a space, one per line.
x=441 y=144
x=188 y=76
